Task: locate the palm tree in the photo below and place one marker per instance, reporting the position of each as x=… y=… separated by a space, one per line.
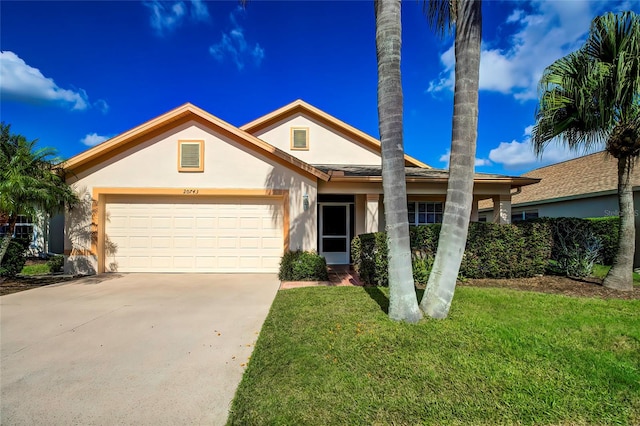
x=403 y=304
x=31 y=182
x=592 y=96
x=467 y=17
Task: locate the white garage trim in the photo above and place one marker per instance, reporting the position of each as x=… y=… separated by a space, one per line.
x=184 y=194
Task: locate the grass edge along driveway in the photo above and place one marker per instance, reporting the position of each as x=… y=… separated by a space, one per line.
x=331 y=356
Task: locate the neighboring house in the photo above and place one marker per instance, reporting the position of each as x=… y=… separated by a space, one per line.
x=188 y=192
x=583 y=187
x=38 y=231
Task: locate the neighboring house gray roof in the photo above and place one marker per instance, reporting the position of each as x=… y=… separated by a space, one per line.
x=583 y=177
x=348 y=172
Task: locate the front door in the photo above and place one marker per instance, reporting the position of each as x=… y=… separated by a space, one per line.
x=334 y=233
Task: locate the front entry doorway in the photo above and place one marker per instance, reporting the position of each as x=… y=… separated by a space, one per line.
x=335 y=238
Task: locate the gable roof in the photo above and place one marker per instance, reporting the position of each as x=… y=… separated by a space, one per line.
x=301 y=107
x=588 y=176
x=177 y=116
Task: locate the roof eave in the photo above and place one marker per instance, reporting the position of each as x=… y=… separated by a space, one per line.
x=516 y=182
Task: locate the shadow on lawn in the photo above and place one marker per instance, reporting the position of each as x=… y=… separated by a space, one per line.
x=381 y=298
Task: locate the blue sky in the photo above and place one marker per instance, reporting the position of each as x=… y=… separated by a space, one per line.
x=75 y=73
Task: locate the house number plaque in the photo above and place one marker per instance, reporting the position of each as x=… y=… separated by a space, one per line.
x=190 y=191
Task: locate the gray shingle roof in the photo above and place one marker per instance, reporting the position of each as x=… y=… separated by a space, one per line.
x=590 y=174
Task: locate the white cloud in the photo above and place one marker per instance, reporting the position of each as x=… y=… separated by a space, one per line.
x=199 y=10
x=93 y=139
x=528 y=130
x=515 y=16
x=233 y=45
x=479 y=162
x=25 y=83
x=167 y=16
x=101 y=105
x=552 y=30
x=516 y=155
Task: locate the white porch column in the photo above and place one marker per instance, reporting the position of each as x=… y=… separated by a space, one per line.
x=371 y=216
x=502 y=209
x=474 y=210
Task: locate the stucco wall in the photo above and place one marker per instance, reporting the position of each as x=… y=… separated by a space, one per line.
x=154 y=164
x=326 y=146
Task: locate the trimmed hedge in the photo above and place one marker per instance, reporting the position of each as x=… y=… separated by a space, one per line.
x=303 y=266
x=369 y=253
x=521 y=250
x=608 y=230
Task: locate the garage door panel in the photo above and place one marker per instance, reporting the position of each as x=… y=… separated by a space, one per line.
x=227 y=242
x=215 y=234
x=271 y=243
x=160 y=262
x=140 y=242
x=182 y=242
x=249 y=243
x=228 y=262
x=202 y=242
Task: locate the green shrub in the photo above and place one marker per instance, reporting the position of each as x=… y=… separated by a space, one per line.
x=607 y=229
x=492 y=251
x=575 y=248
x=14 y=259
x=56 y=263
x=303 y=266
x=369 y=253
x=421 y=264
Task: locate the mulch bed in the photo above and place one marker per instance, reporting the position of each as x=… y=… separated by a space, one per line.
x=14 y=285
x=588 y=287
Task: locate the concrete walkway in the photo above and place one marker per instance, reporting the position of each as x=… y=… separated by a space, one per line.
x=145 y=349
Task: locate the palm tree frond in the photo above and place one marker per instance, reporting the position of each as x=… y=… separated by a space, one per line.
x=441 y=15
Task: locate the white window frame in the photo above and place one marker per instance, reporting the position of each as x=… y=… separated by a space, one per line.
x=430 y=208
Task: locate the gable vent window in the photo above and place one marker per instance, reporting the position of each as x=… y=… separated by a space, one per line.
x=300 y=138
x=190 y=156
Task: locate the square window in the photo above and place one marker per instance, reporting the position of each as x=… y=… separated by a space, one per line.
x=190 y=156
x=300 y=138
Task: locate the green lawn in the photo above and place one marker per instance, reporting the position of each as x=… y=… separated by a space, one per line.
x=329 y=356
x=37 y=269
x=600 y=271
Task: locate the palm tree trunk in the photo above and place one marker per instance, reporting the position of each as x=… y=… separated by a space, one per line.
x=620 y=277
x=453 y=235
x=403 y=304
x=6 y=240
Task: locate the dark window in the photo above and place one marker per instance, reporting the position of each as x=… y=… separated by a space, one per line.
x=23 y=229
x=334 y=245
x=423 y=212
x=524 y=215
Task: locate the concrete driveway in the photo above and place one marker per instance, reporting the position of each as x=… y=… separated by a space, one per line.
x=147 y=349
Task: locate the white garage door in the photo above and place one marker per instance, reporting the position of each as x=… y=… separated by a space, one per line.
x=169 y=234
